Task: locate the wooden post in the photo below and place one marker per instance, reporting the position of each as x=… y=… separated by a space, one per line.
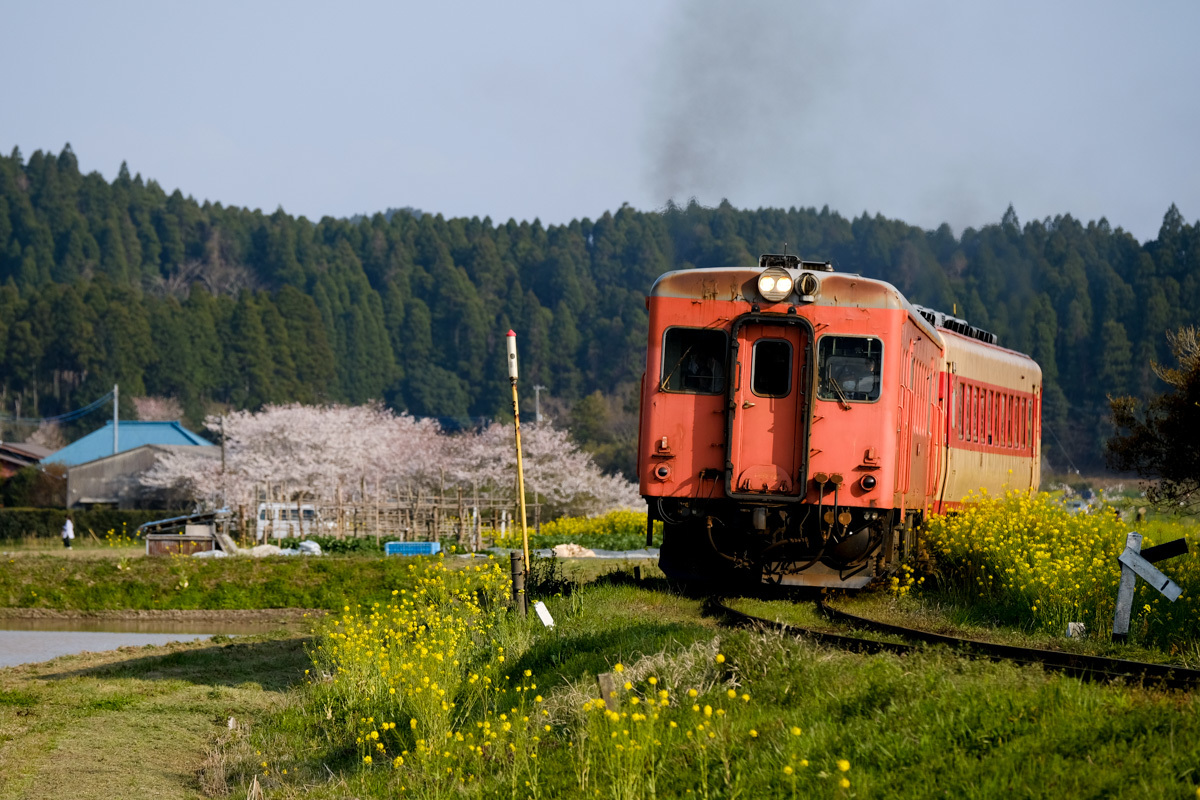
x=607 y=682
x=377 y=533
x=518 y=581
x=270 y=520
x=462 y=522
x=477 y=519
x=341 y=530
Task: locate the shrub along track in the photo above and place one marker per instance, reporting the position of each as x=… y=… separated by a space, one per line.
x=1087 y=667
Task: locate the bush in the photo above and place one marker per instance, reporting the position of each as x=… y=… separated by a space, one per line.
x=616 y=530
x=22 y=523
x=1029 y=561
x=37 y=487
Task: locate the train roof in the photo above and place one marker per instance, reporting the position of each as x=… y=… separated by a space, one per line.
x=980 y=360
x=843 y=289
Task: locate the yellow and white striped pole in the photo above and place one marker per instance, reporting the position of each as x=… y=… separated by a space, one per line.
x=512 y=376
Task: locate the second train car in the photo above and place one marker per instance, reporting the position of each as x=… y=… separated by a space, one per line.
x=797 y=424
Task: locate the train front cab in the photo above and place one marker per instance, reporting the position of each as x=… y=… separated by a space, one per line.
x=786 y=441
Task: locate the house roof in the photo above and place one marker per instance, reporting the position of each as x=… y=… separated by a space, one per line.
x=130 y=435
x=27 y=450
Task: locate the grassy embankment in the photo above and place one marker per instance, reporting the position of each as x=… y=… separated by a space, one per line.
x=76 y=582
x=438 y=694
x=155 y=721
x=138 y=722
x=916 y=726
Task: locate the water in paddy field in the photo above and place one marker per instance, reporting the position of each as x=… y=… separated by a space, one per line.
x=28 y=641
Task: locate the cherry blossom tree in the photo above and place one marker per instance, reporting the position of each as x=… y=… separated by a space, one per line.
x=324 y=454
x=161 y=409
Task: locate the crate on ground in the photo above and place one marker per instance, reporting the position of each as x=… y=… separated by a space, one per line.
x=412 y=548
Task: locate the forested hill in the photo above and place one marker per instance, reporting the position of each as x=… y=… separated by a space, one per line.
x=120 y=282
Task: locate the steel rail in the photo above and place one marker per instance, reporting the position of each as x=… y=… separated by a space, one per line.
x=1087 y=667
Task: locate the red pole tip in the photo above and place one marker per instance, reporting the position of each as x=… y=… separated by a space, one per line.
x=511 y=333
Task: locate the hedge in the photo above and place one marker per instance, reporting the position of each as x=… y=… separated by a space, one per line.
x=21 y=523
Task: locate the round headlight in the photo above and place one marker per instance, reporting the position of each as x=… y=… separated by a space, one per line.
x=774 y=284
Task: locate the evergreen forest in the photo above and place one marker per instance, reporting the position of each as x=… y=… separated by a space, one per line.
x=223 y=307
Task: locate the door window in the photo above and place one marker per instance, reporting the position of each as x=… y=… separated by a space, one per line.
x=771 y=371
x=850 y=368
x=694 y=361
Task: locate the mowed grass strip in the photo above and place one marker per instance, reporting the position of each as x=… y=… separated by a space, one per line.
x=137 y=722
x=802 y=721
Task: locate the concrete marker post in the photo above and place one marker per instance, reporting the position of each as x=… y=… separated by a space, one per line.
x=518 y=582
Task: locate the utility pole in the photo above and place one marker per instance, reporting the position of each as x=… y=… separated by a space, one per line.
x=537 y=403
x=116 y=418
x=512 y=376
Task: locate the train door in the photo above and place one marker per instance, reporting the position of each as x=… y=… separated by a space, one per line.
x=904 y=455
x=767 y=431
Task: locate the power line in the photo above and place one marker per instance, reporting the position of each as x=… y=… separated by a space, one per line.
x=70 y=416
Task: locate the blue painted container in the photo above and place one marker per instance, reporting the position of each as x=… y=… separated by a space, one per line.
x=412 y=548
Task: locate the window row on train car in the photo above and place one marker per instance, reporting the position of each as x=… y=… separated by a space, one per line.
x=995 y=417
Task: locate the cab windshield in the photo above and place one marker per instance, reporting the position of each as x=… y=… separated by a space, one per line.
x=694 y=361
x=849 y=368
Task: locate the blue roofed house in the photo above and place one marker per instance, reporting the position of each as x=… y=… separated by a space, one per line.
x=98 y=475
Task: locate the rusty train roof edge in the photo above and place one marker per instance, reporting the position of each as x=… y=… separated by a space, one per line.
x=730 y=282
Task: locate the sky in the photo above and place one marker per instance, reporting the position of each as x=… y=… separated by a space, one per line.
x=923 y=111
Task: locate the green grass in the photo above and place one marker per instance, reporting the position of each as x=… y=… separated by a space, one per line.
x=64 y=582
x=153 y=722
x=930 y=724
x=140 y=722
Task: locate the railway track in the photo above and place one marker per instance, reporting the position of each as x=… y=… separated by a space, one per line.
x=1087 y=667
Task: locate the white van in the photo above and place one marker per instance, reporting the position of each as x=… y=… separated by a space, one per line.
x=285 y=520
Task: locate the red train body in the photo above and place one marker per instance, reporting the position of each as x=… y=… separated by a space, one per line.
x=797 y=423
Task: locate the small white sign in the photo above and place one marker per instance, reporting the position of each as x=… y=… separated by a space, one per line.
x=543 y=614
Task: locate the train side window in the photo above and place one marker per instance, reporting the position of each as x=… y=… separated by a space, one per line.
x=849 y=368
x=694 y=361
x=990 y=419
x=998 y=416
x=956 y=410
x=976 y=413
x=771 y=368
x=970 y=413
x=1006 y=421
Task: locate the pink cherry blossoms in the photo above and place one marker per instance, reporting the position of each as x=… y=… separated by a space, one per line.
x=319 y=453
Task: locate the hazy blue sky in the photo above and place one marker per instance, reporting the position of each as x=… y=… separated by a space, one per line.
x=924 y=111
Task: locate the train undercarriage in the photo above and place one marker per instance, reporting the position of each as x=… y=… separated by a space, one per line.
x=718 y=544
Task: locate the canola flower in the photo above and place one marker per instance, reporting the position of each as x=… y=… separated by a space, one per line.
x=614 y=523
x=425 y=690
x=1033 y=562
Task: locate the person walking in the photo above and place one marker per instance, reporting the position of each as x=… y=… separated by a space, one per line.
x=68 y=532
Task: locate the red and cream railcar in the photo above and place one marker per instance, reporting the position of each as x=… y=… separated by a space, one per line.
x=797 y=423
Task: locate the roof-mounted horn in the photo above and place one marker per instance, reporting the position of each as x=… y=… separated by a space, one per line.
x=776 y=260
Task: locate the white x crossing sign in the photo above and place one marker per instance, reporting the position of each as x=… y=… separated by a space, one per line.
x=1134 y=564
